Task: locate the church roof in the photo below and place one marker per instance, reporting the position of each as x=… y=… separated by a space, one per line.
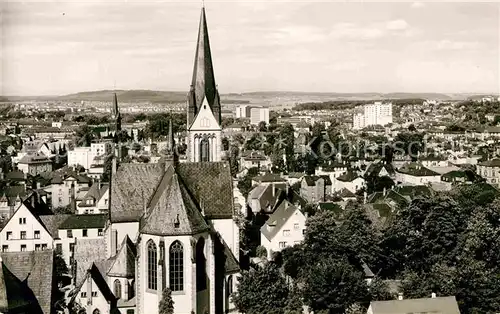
x=211 y=184
x=123 y=263
x=172 y=210
x=131 y=186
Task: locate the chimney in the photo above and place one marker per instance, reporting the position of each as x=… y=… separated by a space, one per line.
x=433 y=295
x=400 y=296
x=365 y=197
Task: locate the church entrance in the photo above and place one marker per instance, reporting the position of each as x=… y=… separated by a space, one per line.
x=204 y=150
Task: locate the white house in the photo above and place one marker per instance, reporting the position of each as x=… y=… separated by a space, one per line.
x=25 y=231
x=416 y=174
x=350 y=181
x=78 y=227
x=95 y=201
x=284 y=228
x=65 y=187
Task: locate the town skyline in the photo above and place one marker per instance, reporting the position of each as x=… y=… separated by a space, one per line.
x=275 y=46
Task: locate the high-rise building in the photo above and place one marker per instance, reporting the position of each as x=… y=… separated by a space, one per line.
x=243 y=111
x=377 y=113
x=259 y=114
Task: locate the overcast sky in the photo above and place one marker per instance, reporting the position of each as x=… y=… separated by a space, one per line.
x=67 y=46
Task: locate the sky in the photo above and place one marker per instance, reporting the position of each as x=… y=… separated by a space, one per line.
x=62 y=47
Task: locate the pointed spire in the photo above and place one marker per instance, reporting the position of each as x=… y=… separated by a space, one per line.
x=170 y=138
x=203 y=81
x=115 y=112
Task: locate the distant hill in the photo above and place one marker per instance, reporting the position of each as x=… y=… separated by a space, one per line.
x=179 y=96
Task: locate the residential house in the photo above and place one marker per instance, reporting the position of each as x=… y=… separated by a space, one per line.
x=333 y=170
x=64 y=188
x=294 y=177
x=490 y=170
x=433 y=161
x=434 y=304
x=416 y=174
x=380 y=169
x=250 y=159
x=95 y=201
x=349 y=180
x=315 y=188
x=92 y=294
x=35 y=164
x=25 y=231
x=78 y=227
x=284 y=228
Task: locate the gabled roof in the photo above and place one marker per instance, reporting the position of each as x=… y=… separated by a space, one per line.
x=85 y=254
x=346 y=193
x=14 y=294
x=52 y=223
x=123 y=263
x=445 y=305
x=131 y=187
x=35 y=268
x=269 y=177
x=94 y=274
x=276 y=221
x=87 y=221
x=348 y=177
x=417 y=170
x=491 y=163
x=172 y=210
x=311 y=180
x=95 y=193
x=375 y=168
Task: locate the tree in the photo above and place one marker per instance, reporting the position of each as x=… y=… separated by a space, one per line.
x=375 y=183
x=262 y=127
x=225 y=143
x=278 y=165
x=261 y=291
x=166 y=305
x=333 y=284
x=234 y=163
x=287 y=138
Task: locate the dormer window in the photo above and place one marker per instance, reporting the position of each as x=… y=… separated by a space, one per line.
x=177 y=222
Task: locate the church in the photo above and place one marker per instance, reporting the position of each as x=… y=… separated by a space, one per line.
x=171 y=224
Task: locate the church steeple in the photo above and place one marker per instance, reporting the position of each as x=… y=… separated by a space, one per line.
x=203 y=81
x=115 y=115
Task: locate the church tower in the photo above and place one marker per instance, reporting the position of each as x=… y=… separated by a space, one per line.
x=115 y=115
x=204 y=110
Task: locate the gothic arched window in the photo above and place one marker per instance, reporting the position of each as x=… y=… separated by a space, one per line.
x=176 y=262
x=152 y=265
x=204 y=150
x=117 y=288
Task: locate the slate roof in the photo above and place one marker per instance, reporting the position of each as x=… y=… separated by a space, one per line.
x=36 y=269
x=87 y=221
x=123 y=263
x=269 y=177
x=210 y=183
x=14 y=294
x=95 y=193
x=491 y=163
x=85 y=254
x=439 y=305
x=52 y=223
x=131 y=187
x=99 y=280
x=348 y=177
x=172 y=210
x=346 y=193
x=375 y=168
x=276 y=221
x=417 y=170
x=231 y=265
x=311 y=180
x=34 y=159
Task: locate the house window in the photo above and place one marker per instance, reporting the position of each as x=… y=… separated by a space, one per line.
x=282 y=245
x=99 y=232
x=94 y=294
x=176 y=255
x=130 y=311
x=9 y=235
x=23 y=248
x=117 y=289
x=22 y=221
x=296 y=226
x=70 y=233
x=37 y=247
x=83 y=294
x=23 y=235
x=286 y=233
x=37 y=234
x=84 y=232
x=303 y=231
x=44 y=247
x=5 y=248
x=152 y=264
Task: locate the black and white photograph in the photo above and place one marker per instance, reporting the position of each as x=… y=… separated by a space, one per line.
x=249 y=157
